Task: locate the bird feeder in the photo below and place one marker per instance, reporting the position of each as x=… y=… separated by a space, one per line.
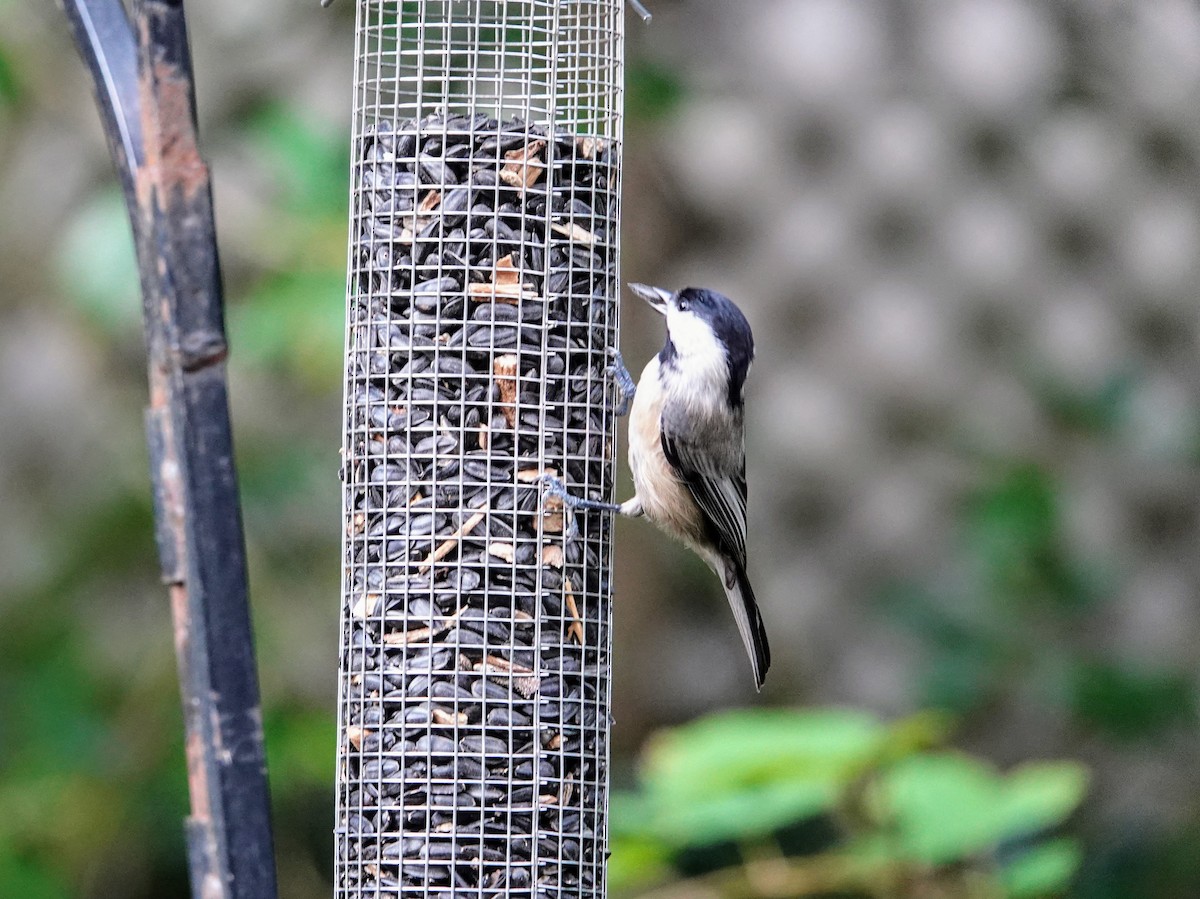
x=481 y=308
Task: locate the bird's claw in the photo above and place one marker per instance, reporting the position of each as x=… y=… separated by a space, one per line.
x=552 y=487
x=622 y=380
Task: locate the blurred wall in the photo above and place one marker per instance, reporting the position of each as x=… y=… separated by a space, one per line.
x=966 y=234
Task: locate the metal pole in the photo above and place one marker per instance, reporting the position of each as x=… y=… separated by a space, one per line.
x=142 y=76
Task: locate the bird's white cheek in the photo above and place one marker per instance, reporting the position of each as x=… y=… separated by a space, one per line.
x=692 y=336
x=700 y=362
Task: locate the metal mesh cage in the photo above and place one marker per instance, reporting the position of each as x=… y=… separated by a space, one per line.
x=474 y=688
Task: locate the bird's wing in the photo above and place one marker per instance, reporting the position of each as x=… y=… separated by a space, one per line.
x=717 y=485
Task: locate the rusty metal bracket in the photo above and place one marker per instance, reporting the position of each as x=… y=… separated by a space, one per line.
x=141 y=72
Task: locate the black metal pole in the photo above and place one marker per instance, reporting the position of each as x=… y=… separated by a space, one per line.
x=142 y=76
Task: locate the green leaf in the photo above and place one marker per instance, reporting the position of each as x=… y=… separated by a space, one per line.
x=735 y=750
x=753 y=812
x=942 y=806
x=636 y=863
x=1045 y=870
x=747 y=773
x=1018 y=514
x=1040 y=795
x=628 y=814
x=948 y=806
x=918 y=732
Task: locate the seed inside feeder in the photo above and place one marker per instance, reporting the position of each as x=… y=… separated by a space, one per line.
x=475 y=650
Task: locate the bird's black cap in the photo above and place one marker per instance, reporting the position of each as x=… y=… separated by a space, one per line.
x=731 y=328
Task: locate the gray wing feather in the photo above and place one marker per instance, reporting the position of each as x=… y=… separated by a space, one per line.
x=717 y=485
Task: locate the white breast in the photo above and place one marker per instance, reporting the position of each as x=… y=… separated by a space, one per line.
x=664 y=498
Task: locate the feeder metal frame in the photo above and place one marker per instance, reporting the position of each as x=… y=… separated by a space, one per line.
x=474 y=688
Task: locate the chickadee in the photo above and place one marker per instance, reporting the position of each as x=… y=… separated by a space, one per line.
x=687 y=445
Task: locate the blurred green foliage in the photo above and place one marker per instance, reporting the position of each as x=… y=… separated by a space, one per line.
x=654 y=91
x=824 y=802
x=10 y=83
x=1009 y=635
x=91 y=764
x=290 y=319
x=95 y=264
x=93 y=789
x=1024 y=598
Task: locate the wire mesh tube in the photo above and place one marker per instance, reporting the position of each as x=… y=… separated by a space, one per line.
x=474 y=688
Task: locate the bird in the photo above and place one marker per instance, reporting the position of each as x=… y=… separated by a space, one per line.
x=687 y=443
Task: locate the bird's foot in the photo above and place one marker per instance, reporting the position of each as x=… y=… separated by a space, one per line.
x=553 y=488
x=622 y=380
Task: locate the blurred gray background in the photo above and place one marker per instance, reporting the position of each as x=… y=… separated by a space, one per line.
x=965 y=233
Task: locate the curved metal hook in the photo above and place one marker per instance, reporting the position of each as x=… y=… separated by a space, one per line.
x=105 y=38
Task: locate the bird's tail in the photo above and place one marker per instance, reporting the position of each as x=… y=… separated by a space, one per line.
x=749 y=621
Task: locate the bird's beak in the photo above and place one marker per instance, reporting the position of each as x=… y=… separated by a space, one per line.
x=655 y=296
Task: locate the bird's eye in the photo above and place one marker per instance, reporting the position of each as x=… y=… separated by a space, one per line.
x=684 y=305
